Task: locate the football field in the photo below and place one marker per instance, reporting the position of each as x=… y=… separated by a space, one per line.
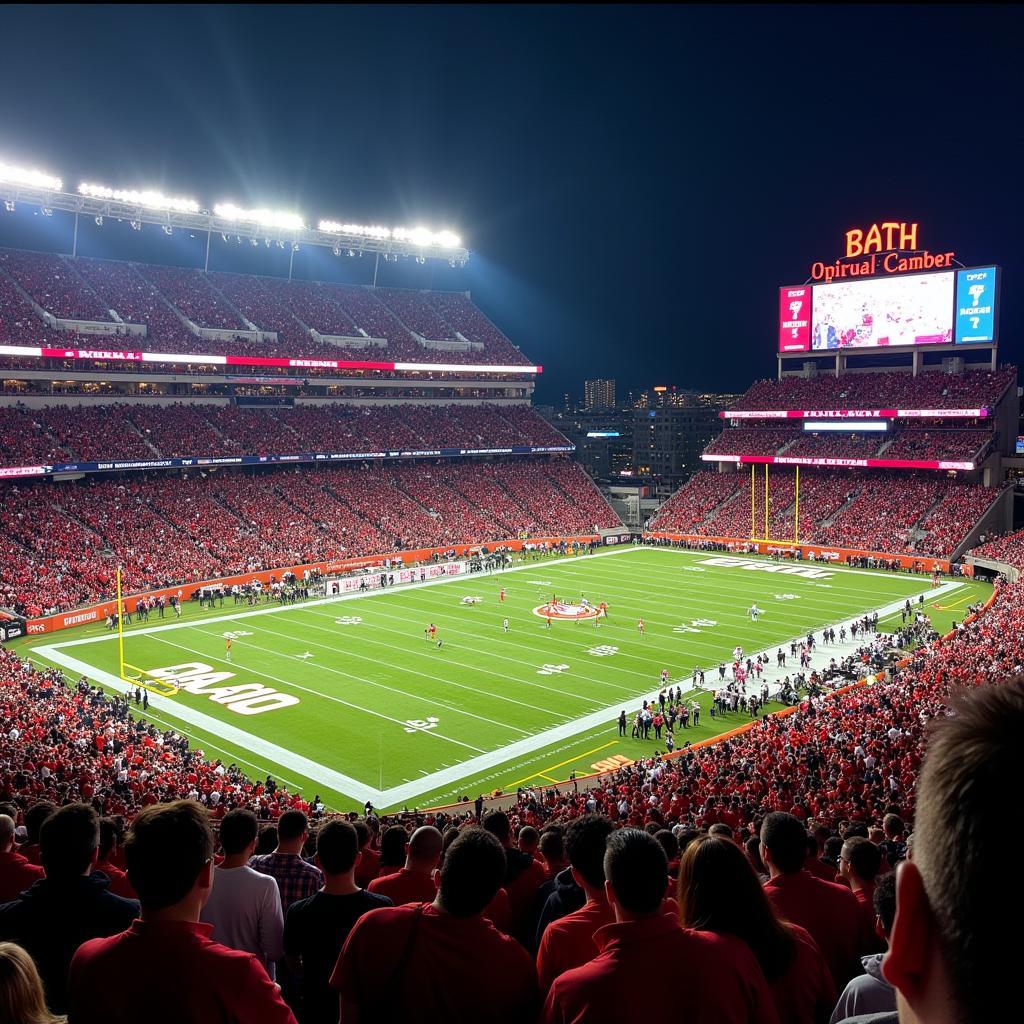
x=345 y=697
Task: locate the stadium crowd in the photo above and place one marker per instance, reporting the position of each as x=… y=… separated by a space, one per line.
x=755 y=876
x=163 y=298
x=141 y=430
x=884 y=389
x=892 y=512
x=60 y=544
x=1009 y=549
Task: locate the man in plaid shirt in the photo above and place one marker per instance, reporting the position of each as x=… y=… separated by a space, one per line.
x=296 y=878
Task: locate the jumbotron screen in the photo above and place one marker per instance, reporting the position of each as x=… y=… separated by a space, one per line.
x=882 y=312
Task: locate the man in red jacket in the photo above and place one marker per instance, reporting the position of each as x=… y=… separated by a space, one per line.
x=716 y=975
x=440 y=961
x=415 y=882
x=952 y=956
x=828 y=911
x=16 y=873
x=165 y=969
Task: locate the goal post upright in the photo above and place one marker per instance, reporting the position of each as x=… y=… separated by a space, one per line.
x=796 y=510
x=120 y=625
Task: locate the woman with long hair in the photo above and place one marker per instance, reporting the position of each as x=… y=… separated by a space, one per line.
x=392 y=850
x=21 y=989
x=719 y=892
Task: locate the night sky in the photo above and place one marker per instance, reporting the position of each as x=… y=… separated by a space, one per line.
x=634 y=182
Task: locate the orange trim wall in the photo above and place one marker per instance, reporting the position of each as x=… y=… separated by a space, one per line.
x=99 y=612
x=764 y=547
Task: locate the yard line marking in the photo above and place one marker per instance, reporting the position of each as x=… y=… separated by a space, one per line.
x=385 y=686
x=562 y=764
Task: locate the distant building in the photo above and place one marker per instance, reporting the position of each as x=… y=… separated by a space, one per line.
x=598 y=394
x=668 y=440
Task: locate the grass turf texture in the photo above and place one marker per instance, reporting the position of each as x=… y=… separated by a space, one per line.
x=384 y=714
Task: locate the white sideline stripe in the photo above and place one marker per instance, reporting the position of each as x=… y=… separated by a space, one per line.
x=340 y=783
x=279 y=609
x=271 y=751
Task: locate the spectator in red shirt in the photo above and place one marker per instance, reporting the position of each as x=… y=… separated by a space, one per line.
x=718 y=974
x=165 y=968
x=69 y=905
x=523 y=875
x=34 y=818
x=828 y=911
x=392 y=850
x=415 y=882
x=440 y=961
x=569 y=941
x=719 y=892
x=859 y=863
x=119 y=884
x=368 y=865
x=16 y=874
x=951 y=954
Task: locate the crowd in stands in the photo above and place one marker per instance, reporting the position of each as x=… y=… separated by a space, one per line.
x=892 y=512
x=804 y=870
x=60 y=542
x=884 y=389
x=938 y=444
x=63 y=433
x=160 y=297
x=1009 y=549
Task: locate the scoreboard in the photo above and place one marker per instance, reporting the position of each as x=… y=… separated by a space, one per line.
x=943 y=308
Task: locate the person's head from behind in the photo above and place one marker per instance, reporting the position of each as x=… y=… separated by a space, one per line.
x=753 y=850
x=669 y=843
x=69 y=842
x=860 y=860
x=783 y=843
x=392 y=846
x=472 y=873
x=34 y=818
x=266 y=841
x=497 y=823
x=337 y=847
x=292 y=830
x=586 y=840
x=636 y=874
x=528 y=839
x=424 y=850
x=238 y=832
x=552 y=847
x=721 y=830
x=883 y=900
x=6 y=833
x=892 y=826
x=22 y=999
x=949 y=957
x=833 y=848
x=719 y=892
x=110 y=836
x=169 y=854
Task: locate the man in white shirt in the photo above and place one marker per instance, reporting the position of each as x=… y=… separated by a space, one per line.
x=244 y=906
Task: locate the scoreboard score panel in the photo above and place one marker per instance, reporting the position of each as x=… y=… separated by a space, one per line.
x=949 y=307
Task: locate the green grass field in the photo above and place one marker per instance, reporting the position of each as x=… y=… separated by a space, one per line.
x=377 y=712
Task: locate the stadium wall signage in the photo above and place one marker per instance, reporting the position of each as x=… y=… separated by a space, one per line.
x=136 y=356
x=889 y=247
x=98 y=612
x=265 y=460
x=812 y=460
x=830 y=554
x=852 y=414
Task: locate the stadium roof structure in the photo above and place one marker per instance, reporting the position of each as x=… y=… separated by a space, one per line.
x=34 y=188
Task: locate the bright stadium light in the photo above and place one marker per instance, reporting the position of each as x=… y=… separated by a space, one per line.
x=149 y=198
x=262 y=217
x=334 y=227
x=29 y=176
x=424 y=237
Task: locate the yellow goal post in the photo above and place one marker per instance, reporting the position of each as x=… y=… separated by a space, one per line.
x=138 y=676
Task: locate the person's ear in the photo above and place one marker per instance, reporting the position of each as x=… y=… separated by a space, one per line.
x=609 y=893
x=766 y=857
x=204 y=880
x=907 y=963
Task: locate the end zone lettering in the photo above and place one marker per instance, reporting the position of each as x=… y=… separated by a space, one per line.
x=731 y=562
x=243 y=698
